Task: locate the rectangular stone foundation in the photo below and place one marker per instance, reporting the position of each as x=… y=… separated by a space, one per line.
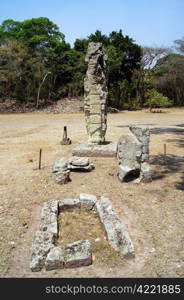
x=45 y=253
x=94 y=150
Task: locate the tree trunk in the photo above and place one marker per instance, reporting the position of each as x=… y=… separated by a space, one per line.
x=117 y=96
x=39 y=88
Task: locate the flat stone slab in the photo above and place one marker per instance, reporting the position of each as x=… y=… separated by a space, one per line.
x=117 y=234
x=49 y=215
x=79 y=161
x=76 y=163
x=69 y=204
x=73 y=255
x=78 y=254
x=94 y=150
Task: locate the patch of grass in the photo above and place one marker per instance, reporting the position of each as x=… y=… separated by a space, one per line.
x=82 y=225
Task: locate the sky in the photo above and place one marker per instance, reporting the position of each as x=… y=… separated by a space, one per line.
x=153 y=23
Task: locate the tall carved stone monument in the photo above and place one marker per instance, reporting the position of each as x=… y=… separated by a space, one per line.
x=95 y=105
x=95 y=93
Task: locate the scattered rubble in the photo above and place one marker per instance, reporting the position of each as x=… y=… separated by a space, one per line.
x=62 y=167
x=60 y=171
x=80 y=164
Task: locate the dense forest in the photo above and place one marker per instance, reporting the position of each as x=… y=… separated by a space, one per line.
x=36 y=63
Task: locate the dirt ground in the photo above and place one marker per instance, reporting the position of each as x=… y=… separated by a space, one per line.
x=153 y=213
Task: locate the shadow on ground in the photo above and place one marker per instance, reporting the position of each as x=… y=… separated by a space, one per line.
x=163 y=166
x=124 y=126
x=178 y=142
x=180 y=185
x=180 y=125
x=165 y=130
x=160 y=130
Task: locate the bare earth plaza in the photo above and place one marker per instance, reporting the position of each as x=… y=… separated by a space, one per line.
x=92 y=154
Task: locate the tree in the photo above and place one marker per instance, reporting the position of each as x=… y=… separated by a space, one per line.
x=143 y=78
x=81 y=45
x=124 y=57
x=44 y=46
x=98 y=37
x=169 y=77
x=180 y=45
x=35 y=32
x=13 y=57
x=151 y=55
x=156 y=100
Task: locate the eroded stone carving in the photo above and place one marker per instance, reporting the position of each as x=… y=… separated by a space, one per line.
x=95 y=93
x=133 y=155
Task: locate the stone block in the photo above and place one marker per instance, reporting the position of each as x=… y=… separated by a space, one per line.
x=69 y=204
x=93 y=150
x=95 y=119
x=132 y=153
x=142 y=133
x=78 y=254
x=146 y=172
x=79 y=161
x=94 y=99
x=60 y=163
x=117 y=234
x=42 y=243
x=87 y=201
x=129 y=148
x=95 y=109
x=128 y=173
x=49 y=216
x=80 y=164
x=60 y=171
x=55 y=258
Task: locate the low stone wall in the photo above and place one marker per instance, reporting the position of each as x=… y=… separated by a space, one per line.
x=44 y=253
x=46 y=235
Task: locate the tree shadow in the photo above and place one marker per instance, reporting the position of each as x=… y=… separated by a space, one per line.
x=178 y=142
x=180 y=185
x=160 y=130
x=164 y=130
x=124 y=126
x=180 y=125
x=171 y=164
